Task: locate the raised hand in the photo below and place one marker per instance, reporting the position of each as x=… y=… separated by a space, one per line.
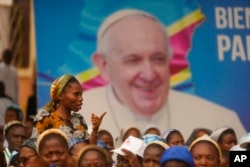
x=132 y=158
x=96 y=121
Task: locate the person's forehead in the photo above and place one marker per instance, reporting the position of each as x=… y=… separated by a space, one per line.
x=52 y=145
x=17 y=129
x=25 y=150
x=53 y=139
x=154 y=148
x=228 y=136
x=119 y=156
x=11 y=111
x=204 y=144
x=92 y=153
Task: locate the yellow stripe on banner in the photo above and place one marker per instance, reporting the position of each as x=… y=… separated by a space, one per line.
x=180 y=77
x=88 y=74
x=185 y=22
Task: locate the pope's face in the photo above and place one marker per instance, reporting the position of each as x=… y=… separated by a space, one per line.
x=138 y=64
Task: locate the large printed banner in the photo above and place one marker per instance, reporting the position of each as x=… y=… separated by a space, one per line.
x=210 y=41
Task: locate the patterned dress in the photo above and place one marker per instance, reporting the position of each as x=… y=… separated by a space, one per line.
x=76 y=127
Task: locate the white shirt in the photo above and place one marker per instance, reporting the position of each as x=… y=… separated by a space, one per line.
x=4 y=103
x=9 y=155
x=8 y=75
x=182 y=111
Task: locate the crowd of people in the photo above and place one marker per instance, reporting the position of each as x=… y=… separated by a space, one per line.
x=138 y=134
x=134 y=148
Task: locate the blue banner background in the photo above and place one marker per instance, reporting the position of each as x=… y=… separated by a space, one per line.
x=65 y=44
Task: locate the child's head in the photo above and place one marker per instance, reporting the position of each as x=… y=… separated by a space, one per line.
x=13 y=112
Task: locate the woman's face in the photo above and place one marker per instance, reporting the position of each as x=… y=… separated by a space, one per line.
x=92 y=158
x=132 y=132
x=122 y=161
x=54 y=151
x=228 y=141
x=71 y=97
x=152 y=156
x=10 y=115
x=205 y=154
x=28 y=158
x=106 y=138
x=175 y=140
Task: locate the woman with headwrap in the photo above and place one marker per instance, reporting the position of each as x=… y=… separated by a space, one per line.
x=61 y=111
x=28 y=156
x=93 y=155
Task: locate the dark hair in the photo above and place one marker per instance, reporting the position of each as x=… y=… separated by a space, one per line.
x=169 y=136
x=192 y=137
x=128 y=130
x=2 y=88
x=152 y=128
x=1 y=130
x=7 y=56
x=103 y=132
x=2 y=91
x=224 y=133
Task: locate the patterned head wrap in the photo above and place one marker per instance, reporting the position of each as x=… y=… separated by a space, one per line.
x=102 y=144
x=56 y=89
x=148 y=138
x=31 y=143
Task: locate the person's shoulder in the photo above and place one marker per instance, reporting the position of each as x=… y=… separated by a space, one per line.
x=13 y=71
x=6 y=100
x=2 y=64
x=41 y=114
x=194 y=101
x=76 y=115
